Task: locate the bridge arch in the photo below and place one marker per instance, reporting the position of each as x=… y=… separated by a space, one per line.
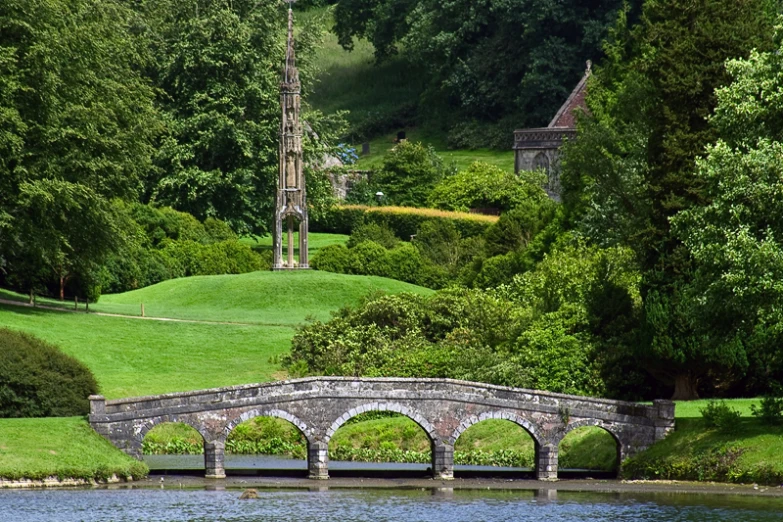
x=411 y=413
x=531 y=428
x=141 y=431
x=276 y=413
x=611 y=429
x=587 y=423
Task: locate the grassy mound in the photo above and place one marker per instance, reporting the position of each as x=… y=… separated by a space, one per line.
x=272 y=298
x=60 y=447
x=132 y=357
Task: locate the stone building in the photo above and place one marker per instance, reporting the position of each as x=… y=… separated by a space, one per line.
x=540 y=148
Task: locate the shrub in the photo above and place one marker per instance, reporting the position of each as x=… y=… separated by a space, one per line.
x=369 y=258
x=403 y=221
x=332 y=258
x=38 y=380
x=720 y=415
x=410 y=171
x=770 y=411
x=381 y=234
x=485 y=186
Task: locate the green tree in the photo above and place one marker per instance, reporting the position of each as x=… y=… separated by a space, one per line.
x=410 y=171
x=737 y=239
x=77 y=122
x=488 y=59
x=217 y=64
x=633 y=167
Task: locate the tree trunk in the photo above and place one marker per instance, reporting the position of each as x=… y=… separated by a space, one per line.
x=62 y=288
x=685 y=388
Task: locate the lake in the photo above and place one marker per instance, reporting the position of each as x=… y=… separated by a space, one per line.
x=171 y=504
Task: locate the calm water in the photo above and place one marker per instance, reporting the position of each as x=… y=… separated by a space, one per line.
x=174 y=505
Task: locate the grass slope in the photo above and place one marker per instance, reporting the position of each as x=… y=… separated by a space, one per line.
x=275 y=298
x=138 y=357
x=132 y=357
x=60 y=447
x=749 y=453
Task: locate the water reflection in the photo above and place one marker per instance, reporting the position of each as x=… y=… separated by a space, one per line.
x=175 y=505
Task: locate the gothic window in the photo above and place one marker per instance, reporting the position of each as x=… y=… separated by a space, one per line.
x=541 y=161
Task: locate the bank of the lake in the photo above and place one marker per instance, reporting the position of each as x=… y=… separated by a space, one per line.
x=61 y=449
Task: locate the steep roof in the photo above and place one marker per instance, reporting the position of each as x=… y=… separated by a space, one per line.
x=566 y=117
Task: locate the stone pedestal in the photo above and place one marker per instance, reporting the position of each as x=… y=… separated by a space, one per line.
x=546 y=463
x=214 y=455
x=318 y=460
x=443 y=461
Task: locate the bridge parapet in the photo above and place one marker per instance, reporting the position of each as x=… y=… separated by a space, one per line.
x=444 y=408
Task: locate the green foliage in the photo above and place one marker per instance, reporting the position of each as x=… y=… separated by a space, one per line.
x=78 y=122
x=632 y=169
x=380 y=234
x=720 y=415
x=770 y=411
x=485 y=186
x=410 y=172
x=404 y=222
x=38 y=380
x=333 y=258
x=479 y=67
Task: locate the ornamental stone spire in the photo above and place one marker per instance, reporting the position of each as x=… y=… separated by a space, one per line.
x=291 y=203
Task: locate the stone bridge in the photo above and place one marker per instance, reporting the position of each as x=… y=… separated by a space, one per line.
x=443 y=408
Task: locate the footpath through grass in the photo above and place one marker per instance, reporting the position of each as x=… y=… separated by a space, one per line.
x=61 y=447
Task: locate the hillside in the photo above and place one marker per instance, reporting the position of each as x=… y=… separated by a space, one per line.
x=130 y=356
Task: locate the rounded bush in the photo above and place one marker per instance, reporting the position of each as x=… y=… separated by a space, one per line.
x=38 y=380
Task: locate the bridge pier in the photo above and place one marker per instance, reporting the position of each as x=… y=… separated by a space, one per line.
x=318 y=460
x=214 y=458
x=443 y=461
x=546 y=462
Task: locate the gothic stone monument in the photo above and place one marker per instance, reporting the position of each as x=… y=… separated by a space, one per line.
x=291 y=203
x=540 y=148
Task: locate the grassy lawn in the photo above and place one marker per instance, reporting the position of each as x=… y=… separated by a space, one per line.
x=130 y=357
x=690 y=409
x=270 y=298
x=65 y=447
x=462 y=159
x=133 y=357
x=263 y=298
x=315 y=240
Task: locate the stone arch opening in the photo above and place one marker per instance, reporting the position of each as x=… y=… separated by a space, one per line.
x=589 y=446
x=541 y=162
x=387 y=433
x=498 y=439
x=267 y=439
x=169 y=443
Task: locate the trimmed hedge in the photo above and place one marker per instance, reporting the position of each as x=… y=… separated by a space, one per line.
x=403 y=221
x=38 y=380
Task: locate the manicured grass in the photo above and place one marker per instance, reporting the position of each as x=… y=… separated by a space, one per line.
x=690 y=409
x=315 y=242
x=749 y=453
x=132 y=357
x=137 y=357
x=462 y=158
x=273 y=298
x=64 y=447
